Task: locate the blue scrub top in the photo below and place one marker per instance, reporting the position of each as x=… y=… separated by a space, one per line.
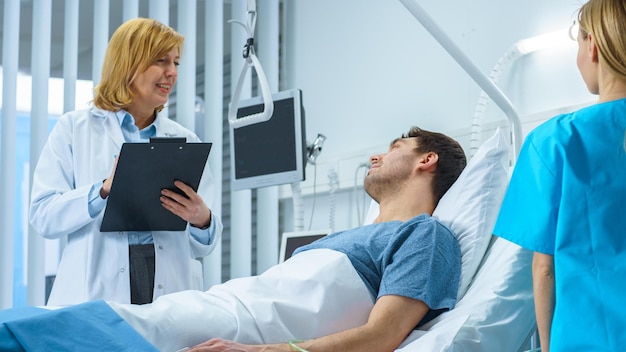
x=567 y=198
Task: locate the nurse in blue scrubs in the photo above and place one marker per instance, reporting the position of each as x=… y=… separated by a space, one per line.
x=567 y=199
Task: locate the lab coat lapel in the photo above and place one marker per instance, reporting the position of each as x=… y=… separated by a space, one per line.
x=164 y=129
x=111 y=126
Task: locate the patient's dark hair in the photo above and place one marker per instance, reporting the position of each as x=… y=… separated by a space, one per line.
x=451 y=157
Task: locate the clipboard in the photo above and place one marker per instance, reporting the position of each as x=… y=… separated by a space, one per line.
x=143 y=170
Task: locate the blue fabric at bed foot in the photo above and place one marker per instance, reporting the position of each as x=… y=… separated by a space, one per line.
x=7 y=340
x=92 y=326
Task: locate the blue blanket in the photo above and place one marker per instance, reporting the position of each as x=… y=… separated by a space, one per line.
x=92 y=326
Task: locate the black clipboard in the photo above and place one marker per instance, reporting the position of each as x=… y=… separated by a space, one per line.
x=143 y=170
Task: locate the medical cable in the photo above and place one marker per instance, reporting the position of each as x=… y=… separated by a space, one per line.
x=333 y=183
x=313 y=151
x=314 y=194
x=298 y=207
x=360 y=215
x=483 y=100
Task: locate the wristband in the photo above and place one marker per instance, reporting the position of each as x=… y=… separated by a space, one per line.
x=295 y=347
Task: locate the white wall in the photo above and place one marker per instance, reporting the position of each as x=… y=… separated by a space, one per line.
x=369 y=70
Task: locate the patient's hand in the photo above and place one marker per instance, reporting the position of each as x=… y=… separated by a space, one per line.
x=220 y=345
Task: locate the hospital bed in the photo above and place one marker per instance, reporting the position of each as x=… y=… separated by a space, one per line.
x=494 y=311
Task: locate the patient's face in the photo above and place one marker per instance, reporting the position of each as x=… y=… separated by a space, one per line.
x=391 y=169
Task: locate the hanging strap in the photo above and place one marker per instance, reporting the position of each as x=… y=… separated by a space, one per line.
x=251 y=60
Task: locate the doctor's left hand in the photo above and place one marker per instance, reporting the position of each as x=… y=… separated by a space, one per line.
x=191 y=208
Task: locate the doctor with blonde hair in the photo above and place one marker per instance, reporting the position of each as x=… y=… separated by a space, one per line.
x=73 y=178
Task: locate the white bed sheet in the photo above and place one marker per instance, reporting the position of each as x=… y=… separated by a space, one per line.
x=260 y=309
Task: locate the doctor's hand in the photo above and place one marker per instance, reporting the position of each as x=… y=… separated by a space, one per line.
x=106 y=185
x=220 y=345
x=190 y=208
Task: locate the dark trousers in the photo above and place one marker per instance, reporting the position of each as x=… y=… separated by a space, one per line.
x=141 y=258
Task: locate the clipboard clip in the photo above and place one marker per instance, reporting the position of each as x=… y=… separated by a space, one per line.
x=168 y=140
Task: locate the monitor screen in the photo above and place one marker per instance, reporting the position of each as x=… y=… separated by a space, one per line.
x=293 y=240
x=273 y=152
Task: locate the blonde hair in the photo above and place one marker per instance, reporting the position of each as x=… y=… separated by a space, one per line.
x=134 y=46
x=606 y=21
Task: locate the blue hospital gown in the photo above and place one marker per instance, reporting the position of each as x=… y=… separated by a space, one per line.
x=567 y=198
x=419 y=259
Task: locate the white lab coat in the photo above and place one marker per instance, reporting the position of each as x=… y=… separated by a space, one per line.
x=80 y=152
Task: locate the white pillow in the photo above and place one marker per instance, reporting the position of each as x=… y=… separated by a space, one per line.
x=471 y=205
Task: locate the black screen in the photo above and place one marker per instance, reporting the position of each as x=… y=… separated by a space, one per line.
x=294 y=243
x=267 y=147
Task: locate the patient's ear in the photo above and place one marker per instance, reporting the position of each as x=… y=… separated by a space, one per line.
x=428 y=162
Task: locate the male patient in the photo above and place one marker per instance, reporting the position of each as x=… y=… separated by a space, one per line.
x=363 y=289
x=408 y=263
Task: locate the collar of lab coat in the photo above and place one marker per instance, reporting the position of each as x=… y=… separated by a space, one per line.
x=111 y=124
